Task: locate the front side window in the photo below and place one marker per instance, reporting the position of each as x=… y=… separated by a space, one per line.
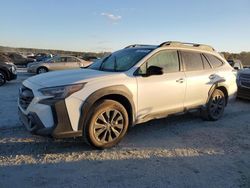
x=167 y=60
x=71 y=59
x=63 y=59
x=192 y=61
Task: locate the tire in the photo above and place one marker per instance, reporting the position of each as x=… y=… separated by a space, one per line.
x=106 y=125
x=41 y=70
x=2 y=78
x=215 y=106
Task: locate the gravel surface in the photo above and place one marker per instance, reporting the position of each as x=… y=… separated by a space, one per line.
x=179 y=151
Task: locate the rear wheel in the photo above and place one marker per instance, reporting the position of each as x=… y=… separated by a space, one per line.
x=215 y=107
x=2 y=78
x=41 y=70
x=107 y=125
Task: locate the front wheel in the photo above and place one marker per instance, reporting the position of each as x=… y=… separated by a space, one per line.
x=215 y=106
x=2 y=78
x=107 y=124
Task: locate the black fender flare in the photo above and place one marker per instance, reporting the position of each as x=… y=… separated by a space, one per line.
x=101 y=93
x=216 y=84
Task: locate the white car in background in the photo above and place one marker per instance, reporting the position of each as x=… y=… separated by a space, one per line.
x=57 y=63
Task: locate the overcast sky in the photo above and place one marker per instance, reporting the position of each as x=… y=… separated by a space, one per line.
x=108 y=25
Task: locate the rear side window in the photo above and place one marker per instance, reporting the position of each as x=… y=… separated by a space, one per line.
x=214 y=61
x=192 y=61
x=168 y=60
x=206 y=63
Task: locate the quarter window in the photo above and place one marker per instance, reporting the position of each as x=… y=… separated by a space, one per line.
x=168 y=60
x=192 y=61
x=214 y=61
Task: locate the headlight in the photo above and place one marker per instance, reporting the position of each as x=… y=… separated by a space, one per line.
x=61 y=92
x=13 y=69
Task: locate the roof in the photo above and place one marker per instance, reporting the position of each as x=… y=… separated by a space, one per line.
x=141 y=46
x=178 y=44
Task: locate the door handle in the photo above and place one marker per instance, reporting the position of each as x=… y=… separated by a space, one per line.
x=181 y=80
x=212 y=76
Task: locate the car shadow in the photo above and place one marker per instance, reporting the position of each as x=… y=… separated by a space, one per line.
x=140 y=136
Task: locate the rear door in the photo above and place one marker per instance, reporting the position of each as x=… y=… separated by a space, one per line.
x=198 y=73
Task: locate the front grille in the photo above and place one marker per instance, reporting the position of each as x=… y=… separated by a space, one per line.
x=245 y=76
x=245 y=84
x=245 y=80
x=243 y=93
x=25 y=97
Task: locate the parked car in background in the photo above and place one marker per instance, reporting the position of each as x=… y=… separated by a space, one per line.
x=42 y=57
x=131 y=86
x=7 y=70
x=20 y=60
x=236 y=64
x=57 y=63
x=243 y=82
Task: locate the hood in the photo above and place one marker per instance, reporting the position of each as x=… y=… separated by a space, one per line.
x=59 y=78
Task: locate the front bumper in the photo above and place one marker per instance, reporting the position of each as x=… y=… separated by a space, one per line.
x=243 y=92
x=44 y=117
x=33 y=124
x=13 y=76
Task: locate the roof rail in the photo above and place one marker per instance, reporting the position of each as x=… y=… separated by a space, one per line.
x=136 y=45
x=187 y=44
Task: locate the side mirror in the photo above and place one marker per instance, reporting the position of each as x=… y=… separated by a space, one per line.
x=154 y=70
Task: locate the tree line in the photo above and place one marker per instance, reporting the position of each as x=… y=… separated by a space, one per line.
x=243 y=56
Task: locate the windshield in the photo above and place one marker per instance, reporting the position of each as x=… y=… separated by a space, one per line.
x=121 y=60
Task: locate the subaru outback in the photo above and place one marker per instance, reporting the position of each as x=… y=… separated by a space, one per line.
x=130 y=86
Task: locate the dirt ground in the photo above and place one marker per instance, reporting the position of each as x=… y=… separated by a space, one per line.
x=179 y=151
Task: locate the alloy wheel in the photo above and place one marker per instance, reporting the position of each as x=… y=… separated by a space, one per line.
x=42 y=70
x=217 y=106
x=108 y=126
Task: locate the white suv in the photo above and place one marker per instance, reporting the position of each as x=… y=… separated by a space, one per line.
x=128 y=87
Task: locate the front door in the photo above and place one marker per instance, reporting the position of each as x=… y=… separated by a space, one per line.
x=58 y=63
x=72 y=63
x=161 y=94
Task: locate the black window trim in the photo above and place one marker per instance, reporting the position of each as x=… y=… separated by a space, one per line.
x=202 y=54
